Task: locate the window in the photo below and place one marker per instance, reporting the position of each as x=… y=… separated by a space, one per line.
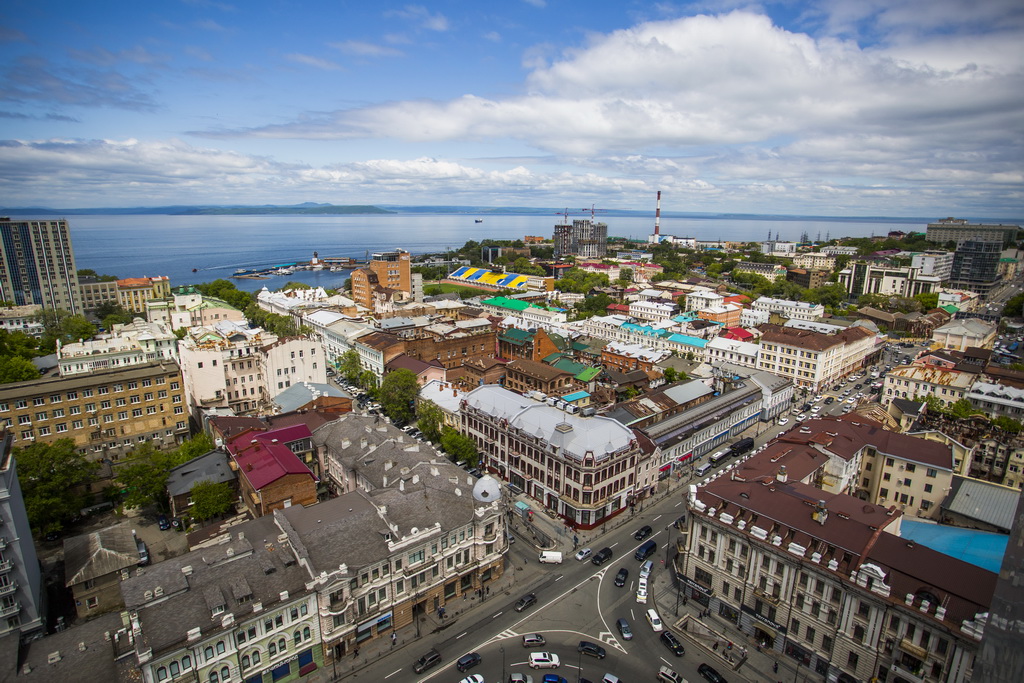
x=851 y=660
x=220 y=647
x=161 y=674
x=932 y=472
x=208 y=652
x=92 y=603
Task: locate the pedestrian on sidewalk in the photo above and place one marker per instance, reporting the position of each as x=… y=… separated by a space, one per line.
x=394 y=639
x=775 y=668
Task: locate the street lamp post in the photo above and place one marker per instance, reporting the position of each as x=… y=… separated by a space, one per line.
x=502 y=648
x=579 y=666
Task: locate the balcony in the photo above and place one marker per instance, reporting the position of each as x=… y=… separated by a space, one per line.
x=9 y=588
x=6 y=566
x=10 y=610
x=3 y=543
x=907 y=646
x=905 y=672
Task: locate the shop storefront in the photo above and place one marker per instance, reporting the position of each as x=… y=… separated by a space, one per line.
x=765 y=631
x=696 y=591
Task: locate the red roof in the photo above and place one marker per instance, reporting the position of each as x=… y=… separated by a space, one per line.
x=618 y=307
x=263 y=458
x=737 y=333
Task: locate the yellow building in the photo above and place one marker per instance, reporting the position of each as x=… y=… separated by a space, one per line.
x=134 y=292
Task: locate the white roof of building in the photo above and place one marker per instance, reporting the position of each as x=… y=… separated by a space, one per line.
x=971 y=327
x=733 y=346
x=574 y=436
x=444 y=394
x=324 y=318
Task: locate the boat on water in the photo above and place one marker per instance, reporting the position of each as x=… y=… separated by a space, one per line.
x=479 y=220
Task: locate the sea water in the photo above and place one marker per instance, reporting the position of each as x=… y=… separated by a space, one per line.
x=216 y=246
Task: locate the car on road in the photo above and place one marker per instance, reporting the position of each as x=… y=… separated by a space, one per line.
x=525 y=601
x=163 y=522
x=641 y=594
x=544 y=660
x=672 y=643
x=584 y=553
x=431 y=659
x=473 y=678
x=645 y=570
x=815 y=410
x=801 y=417
x=520 y=678
x=592 y=649
x=624 y=630
x=602 y=556
x=655 y=621
x=467 y=662
x=783 y=421
x=553 y=678
x=643 y=532
x=830 y=400
x=710 y=674
x=858 y=386
x=622 y=577
x=534 y=640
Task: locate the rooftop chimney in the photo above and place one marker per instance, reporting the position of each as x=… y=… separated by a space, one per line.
x=657 y=216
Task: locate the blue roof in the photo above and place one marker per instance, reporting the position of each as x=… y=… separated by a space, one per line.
x=688 y=340
x=576 y=396
x=981 y=548
x=645 y=330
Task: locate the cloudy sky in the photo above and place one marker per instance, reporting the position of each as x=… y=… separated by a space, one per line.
x=826 y=107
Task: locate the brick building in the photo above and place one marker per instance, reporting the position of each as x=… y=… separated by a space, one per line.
x=271 y=475
x=522 y=375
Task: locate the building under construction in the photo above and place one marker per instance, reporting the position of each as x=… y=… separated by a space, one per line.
x=584 y=238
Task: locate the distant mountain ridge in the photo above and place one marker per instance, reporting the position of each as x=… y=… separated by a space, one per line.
x=306 y=208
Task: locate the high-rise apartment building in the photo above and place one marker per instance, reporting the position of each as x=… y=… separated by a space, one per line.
x=583 y=238
x=976 y=266
x=389 y=270
x=20 y=581
x=37 y=265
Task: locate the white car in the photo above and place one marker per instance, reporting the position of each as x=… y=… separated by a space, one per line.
x=783 y=421
x=544 y=660
x=815 y=410
x=801 y=417
x=851 y=400
x=474 y=678
x=641 y=595
x=584 y=554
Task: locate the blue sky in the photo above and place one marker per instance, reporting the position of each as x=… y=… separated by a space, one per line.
x=830 y=107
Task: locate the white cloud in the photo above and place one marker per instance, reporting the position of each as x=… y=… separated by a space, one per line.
x=317 y=62
x=421 y=17
x=363 y=49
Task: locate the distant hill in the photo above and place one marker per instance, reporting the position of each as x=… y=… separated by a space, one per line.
x=307 y=208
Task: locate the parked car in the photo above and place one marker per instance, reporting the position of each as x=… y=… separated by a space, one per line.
x=544 y=660
x=710 y=674
x=163 y=522
x=592 y=649
x=431 y=659
x=622 y=577
x=783 y=421
x=520 y=678
x=467 y=662
x=473 y=678
x=624 y=630
x=583 y=554
x=672 y=643
x=525 y=601
x=534 y=640
x=830 y=400
x=643 y=532
x=553 y=678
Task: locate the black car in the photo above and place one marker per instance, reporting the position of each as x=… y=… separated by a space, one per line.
x=709 y=673
x=643 y=532
x=621 y=577
x=467 y=662
x=592 y=649
x=858 y=386
x=602 y=556
x=525 y=601
x=163 y=522
x=432 y=658
x=829 y=400
x=672 y=643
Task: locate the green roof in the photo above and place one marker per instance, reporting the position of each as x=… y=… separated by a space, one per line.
x=552 y=358
x=569 y=366
x=579 y=346
x=504 y=302
x=950 y=308
x=588 y=374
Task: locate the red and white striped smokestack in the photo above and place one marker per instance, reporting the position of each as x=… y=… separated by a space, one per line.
x=657 y=216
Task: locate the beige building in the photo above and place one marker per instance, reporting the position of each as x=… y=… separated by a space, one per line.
x=107 y=413
x=133 y=293
x=825 y=581
x=814 y=359
x=95 y=292
x=188 y=308
x=815 y=260
x=37 y=265
x=393 y=271
x=915 y=382
x=960 y=334
x=21 y=319
x=135 y=343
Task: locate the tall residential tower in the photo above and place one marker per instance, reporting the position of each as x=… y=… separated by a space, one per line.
x=37 y=265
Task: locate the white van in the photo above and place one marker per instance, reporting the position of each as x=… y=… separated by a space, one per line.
x=646 y=568
x=702 y=469
x=655 y=621
x=550 y=557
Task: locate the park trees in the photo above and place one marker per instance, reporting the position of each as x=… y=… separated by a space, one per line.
x=53 y=478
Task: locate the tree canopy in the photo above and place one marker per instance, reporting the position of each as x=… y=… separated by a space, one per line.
x=63 y=326
x=430 y=419
x=460 y=447
x=53 y=478
x=211 y=499
x=397 y=394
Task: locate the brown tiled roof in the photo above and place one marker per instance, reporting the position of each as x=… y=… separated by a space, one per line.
x=535 y=369
x=805 y=339
x=379 y=340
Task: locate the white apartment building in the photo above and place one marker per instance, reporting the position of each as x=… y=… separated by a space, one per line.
x=702 y=301
x=189 y=308
x=874 y=278
x=771 y=271
x=721 y=350
x=811 y=359
x=936 y=263
x=777 y=248
x=135 y=343
x=21 y=319
x=915 y=382
x=751 y=318
x=959 y=334
x=654 y=311
x=816 y=260
x=791 y=310
x=337 y=332
x=293 y=303
x=840 y=251
x=243 y=369
x=997 y=400
x=622 y=328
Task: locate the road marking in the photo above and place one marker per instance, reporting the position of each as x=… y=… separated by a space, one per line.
x=613 y=544
x=397 y=671
x=497 y=615
x=665 y=660
x=461 y=634
x=559 y=577
x=657 y=518
x=678 y=504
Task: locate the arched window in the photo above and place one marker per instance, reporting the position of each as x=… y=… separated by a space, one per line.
x=225 y=673
x=297 y=637
x=245 y=661
x=273 y=648
x=186 y=662
x=305 y=634
x=255 y=657
x=213 y=677
x=208 y=652
x=220 y=647
x=282 y=645
x=161 y=674
x=175 y=669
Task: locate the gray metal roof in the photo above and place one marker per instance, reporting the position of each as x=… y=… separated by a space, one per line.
x=985 y=502
x=102 y=552
x=212 y=466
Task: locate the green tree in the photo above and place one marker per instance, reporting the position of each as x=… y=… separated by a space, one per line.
x=1007 y=424
x=523 y=266
x=367 y=380
x=594 y=305
x=349 y=365
x=192 y=448
x=928 y=300
x=112 y=313
x=1014 y=307
x=962 y=409
x=670 y=375
x=63 y=326
x=295 y=285
x=144 y=478
x=89 y=272
x=51 y=476
x=211 y=499
x=625 y=276
x=16 y=369
x=398 y=394
x=430 y=420
x=459 y=446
